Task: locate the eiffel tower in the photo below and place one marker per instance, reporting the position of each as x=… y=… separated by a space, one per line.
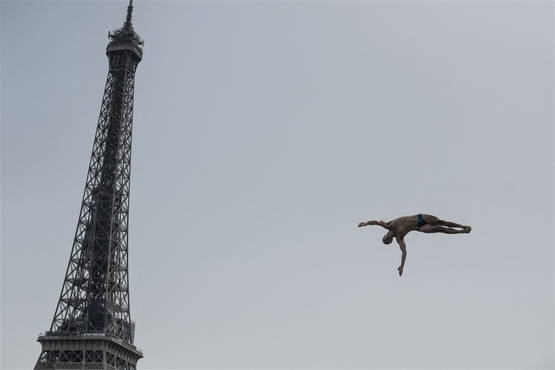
x=92 y=327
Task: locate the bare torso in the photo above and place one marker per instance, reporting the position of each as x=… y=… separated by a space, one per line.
x=403 y=225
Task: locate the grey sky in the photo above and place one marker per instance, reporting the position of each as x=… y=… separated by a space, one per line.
x=264 y=132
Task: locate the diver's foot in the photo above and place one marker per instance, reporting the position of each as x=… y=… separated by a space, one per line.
x=362 y=224
x=467 y=229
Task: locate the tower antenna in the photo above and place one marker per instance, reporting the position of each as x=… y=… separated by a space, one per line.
x=129 y=14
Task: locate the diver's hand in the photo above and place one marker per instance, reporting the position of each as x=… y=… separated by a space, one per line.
x=400 y=269
x=362 y=224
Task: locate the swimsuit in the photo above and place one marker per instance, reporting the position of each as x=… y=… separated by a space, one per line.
x=420 y=221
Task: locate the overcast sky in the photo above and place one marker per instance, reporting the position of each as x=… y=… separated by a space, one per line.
x=263 y=133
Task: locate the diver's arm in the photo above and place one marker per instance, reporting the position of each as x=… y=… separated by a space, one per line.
x=380 y=223
x=403 y=247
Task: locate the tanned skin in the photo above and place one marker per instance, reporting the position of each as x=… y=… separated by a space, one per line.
x=400 y=227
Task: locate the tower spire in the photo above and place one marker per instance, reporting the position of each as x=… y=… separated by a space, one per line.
x=129 y=14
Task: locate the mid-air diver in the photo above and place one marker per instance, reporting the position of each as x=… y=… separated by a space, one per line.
x=400 y=227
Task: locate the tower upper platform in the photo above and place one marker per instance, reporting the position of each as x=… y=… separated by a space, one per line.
x=125 y=38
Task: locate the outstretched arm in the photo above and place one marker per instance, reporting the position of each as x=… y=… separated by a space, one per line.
x=403 y=247
x=380 y=223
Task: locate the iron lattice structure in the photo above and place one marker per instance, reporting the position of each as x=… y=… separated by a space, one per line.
x=92 y=327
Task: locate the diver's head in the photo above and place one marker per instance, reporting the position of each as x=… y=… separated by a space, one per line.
x=388 y=238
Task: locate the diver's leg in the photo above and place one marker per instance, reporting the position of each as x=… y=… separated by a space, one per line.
x=448 y=230
x=449 y=224
x=440 y=229
x=430 y=220
x=465 y=228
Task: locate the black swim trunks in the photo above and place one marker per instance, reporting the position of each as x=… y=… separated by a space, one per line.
x=420 y=221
